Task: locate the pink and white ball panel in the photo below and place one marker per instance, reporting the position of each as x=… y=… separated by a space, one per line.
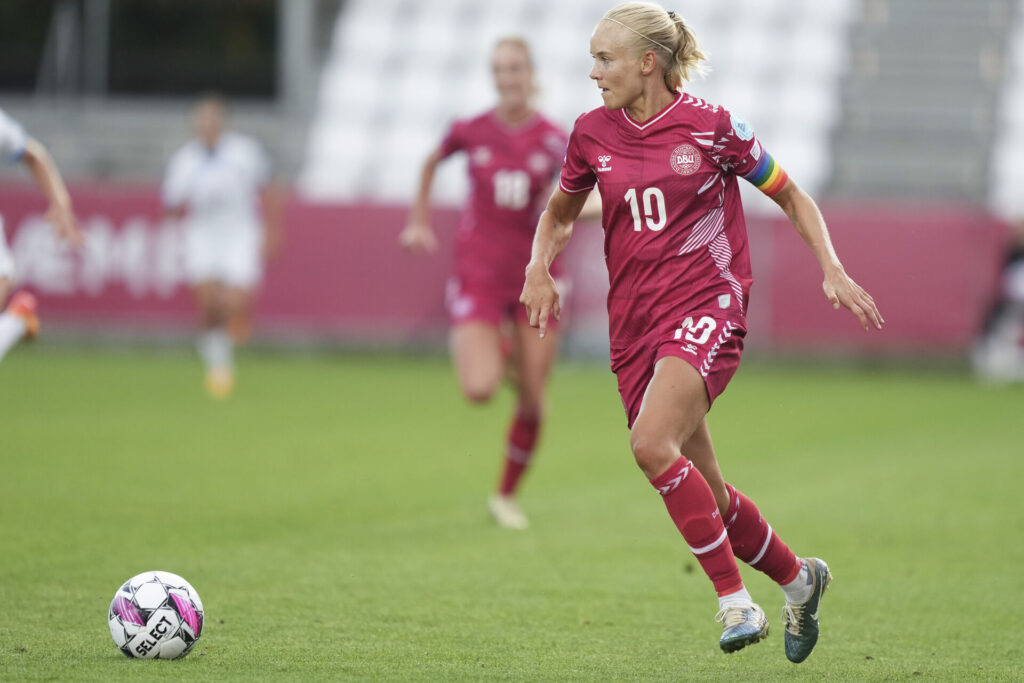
x=156 y=615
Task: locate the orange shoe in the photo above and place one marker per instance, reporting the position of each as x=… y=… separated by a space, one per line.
x=24 y=305
x=220 y=383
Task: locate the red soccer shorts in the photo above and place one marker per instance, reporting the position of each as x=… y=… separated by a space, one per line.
x=712 y=345
x=469 y=301
x=476 y=302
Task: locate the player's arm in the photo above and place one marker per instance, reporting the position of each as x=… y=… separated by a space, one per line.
x=591 y=210
x=44 y=171
x=172 y=192
x=540 y=294
x=273 y=196
x=418 y=235
x=839 y=287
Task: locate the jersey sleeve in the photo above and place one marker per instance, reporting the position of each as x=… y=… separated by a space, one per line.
x=261 y=166
x=740 y=152
x=556 y=142
x=13 y=138
x=174 y=190
x=577 y=175
x=455 y=139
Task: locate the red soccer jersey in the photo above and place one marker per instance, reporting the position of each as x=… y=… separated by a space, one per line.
x=510 y=170
x=675 y=236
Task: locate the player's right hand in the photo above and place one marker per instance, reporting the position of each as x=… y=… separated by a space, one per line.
x=63 y=219
x=540 y=296
x=418 y=238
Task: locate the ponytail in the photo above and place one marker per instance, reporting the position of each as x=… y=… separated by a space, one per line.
x=688 y=58
x=666 y=34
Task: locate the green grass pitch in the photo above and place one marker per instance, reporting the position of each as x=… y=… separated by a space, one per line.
x=332 y=517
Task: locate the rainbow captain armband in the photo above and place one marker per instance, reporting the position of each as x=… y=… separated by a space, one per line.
x=767 y=175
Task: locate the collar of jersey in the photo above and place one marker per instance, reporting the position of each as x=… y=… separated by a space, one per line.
x=664 y=112
x=519 y=128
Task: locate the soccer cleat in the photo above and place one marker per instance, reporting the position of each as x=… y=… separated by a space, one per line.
x=742 y=625
x=801 y=619
x=507 y=513
x=220 y=382
x=24 y=305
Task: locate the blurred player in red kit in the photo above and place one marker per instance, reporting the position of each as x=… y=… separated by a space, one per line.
x=514 y=153
x=666 y=166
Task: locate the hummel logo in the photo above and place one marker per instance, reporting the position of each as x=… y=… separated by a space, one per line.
x=689 y=348
x=676 y=481
x=604 y=159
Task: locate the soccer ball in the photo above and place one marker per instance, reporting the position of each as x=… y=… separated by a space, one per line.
x=156 y=615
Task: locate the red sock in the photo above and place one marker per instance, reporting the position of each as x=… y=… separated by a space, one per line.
x=692 y=507
x=522 y=438
x=755 y=543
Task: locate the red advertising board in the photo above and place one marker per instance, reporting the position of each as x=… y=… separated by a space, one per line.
x=340 y=275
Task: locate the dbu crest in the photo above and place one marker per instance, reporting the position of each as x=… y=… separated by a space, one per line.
x=685 y=159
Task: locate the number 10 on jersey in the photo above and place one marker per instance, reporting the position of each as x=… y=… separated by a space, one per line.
x=653 y=205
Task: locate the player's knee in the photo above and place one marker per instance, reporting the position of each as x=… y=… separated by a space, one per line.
x=653 y=454
x=479 y=390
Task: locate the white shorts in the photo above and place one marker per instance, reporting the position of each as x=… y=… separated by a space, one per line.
x=6 y=258
x=231 y=257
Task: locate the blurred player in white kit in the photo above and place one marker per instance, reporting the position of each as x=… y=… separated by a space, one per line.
x=20 y=319
x=219 y=185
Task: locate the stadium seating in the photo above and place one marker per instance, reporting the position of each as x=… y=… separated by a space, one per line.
x=1006 y=196
x=400 y=70
x=920 y=103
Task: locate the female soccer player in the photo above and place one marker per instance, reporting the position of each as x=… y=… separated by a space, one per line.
x=666 y=166
x=219 y=183
x=20 y=320
x=514 y=153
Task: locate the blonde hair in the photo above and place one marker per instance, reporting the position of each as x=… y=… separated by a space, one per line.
x=664 y=33
x=517 y=41
x=522 y=44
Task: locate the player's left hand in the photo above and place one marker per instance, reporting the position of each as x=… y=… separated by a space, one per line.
x=63 y=219
x=841 y=290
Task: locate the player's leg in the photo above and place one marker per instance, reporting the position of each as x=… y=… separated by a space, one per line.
x=672 y=409
x=19 y=320
x=235 y=303
x=533 y=358
x=6 y=267
x=998 y=354
x=241 y=271
x=476 y=355
x=204 y=253
x=701 y=452
x=214 y=342
x=751 y=537
x=240 y=322
x=753 y=540
x=238 y=301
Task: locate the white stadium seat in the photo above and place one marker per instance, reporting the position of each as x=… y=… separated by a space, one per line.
x=1006 y=198
x=400 y=70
